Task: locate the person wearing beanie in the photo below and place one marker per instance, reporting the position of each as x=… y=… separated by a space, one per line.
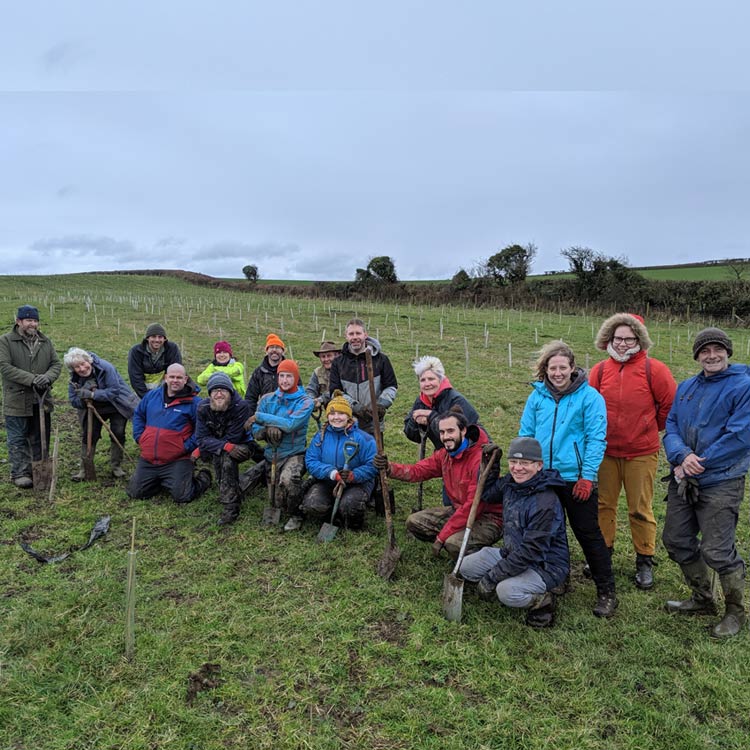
x=29 y=366
x=534 y=558
x=457 y=461
x=326 y=461
x=569 y=419
x=149 y=360
x=707 y=442
x=318 y=388
x=349 y=375
x=164 y=426
x=222 y=439
x=263 y=378
x=225 y=362
x=638 y=392
x=281 y=420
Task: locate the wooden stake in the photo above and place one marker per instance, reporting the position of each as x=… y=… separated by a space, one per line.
x=130 y=600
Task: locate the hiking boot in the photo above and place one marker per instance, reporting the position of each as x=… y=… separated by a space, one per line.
x=644 y=571
x=733 y=585
x=293 y=524
x=541 y=613
x=229 y=515
x=606 y=603
x=25 y=483
x=702 y=601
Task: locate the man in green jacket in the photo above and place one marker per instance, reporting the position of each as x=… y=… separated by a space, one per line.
x=29 y=365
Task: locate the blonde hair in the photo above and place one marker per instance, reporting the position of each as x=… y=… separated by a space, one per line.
x=549 y=350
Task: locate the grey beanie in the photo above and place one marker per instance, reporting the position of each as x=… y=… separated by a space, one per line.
x=156 y=329
x=527 y=448
x=711 y=336
x=220 y=380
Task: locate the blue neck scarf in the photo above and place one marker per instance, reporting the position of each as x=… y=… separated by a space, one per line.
x=461 y=448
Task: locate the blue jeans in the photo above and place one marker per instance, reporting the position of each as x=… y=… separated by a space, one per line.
x=25 y=442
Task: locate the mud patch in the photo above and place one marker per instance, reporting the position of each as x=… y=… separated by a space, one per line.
x=391 y=629
x=206 y=678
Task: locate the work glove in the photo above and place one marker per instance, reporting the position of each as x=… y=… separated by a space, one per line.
x=261 y=434
x=195 y=455
x=274 y=435
x=487 y=452
x=250 y=422
x=238 y=452
x=582 y=490
x=86 y=394
x=347 y=476
x=486 y=587
x=381 y=412
x=380 y=462
x=437 y=548
x=41 y=382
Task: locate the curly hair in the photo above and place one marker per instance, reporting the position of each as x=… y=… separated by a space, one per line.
x=549 y=350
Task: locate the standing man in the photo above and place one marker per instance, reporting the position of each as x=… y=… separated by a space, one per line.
x=263 y=379
x=149 y=360
x=29 y=366
x=457 y=462
x=349 y=375
x=164 y=427
x=318 y=387
x=221 y=435
x=707 y=442
x=281 y=420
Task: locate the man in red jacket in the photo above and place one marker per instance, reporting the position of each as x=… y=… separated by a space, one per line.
x=638 y=392
x=458 y=463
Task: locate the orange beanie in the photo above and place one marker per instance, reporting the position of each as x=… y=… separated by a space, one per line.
x=273 y=340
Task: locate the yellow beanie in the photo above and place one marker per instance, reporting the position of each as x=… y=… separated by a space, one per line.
x=340 y=404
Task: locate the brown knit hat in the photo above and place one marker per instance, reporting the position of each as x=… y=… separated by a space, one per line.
x=711 y=336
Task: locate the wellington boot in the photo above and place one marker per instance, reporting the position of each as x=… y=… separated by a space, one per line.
x=229 y=515
x=703 y=600
x=115 y=461
x=541 y=613
x=733 y=585
x=79 y=476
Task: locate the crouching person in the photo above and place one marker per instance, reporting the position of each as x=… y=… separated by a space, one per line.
x=340 y=457
x=457 y=462
x=220 y=431
x=534 y=558
x=164 y=428
x=281 y=420
x=95 y=382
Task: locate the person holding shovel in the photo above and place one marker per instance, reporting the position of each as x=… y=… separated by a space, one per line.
x=534 y=557
x=457 y=462
x=29 y=366
x=328 y=461
x=281 y=420
x=96 y=383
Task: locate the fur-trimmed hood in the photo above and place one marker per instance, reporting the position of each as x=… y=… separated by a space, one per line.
x=609 y=326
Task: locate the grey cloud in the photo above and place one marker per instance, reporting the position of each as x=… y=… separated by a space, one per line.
x=86 y=245
x=250 y=253
x=63 y=56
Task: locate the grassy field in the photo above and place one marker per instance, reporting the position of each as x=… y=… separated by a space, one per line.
x=249 y=638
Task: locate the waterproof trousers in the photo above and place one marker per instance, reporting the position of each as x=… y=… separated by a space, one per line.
x=318 y=503
x=25 y=442
x=175 y=477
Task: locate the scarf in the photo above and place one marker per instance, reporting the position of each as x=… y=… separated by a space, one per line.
x=622 y=357
x=461 y=448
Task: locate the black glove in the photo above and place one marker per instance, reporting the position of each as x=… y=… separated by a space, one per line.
x=380 y=462
x=41 y=382
x=381 y=412
x=487 y=451
x=240 y=452
x=86 y=393
x=486 y=587
x=274 y=435
x=261 y=434
x=347 y=475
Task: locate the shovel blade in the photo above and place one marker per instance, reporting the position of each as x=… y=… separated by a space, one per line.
x=327 y=532
x=387 y=563
x=41 y=474
x=453 y=594
x=271 y=516
x=89 y=470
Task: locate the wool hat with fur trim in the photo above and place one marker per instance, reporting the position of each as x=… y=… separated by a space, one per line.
x=526 y=448
x=339 y=403
x=327 y=346
x=273 y=340
x=156 y=329
x=223 y=346
x=711 y=336
x=610 y=325
x=27 y=312
x=289 y=365
x=219 y=380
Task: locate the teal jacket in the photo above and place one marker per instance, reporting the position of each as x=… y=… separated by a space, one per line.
x=291 y=413
x=572 y=429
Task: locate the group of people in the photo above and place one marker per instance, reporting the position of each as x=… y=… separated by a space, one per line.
x=582 y=439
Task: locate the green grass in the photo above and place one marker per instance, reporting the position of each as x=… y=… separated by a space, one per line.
x=314 y=650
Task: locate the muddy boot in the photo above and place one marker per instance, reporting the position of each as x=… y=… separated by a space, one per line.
x=606 y=603
x=230 y=514
x=201 y=482
x=644 y=571
x=115 y=461
x=702 y=600
x=80 y=475
x=733 y=585
x=541 y=613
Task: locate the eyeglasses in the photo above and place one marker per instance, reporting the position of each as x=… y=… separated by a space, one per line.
x=630 y=340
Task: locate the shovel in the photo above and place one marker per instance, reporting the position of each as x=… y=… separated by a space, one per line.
x=328 y=530
x=106 y=426
x=387 y=563
x=420 y=489
x=453 y=586
x=89 y=470
x=272 y=514
x=41 y=471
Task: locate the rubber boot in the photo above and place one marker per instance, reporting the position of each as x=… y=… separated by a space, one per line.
x=201 y=482
x=115 y=461
x=702 y=600
x=733 y=586
x=80 y=475
x=541 y=613
x=644 y=571
x=230 y=514
x=606 y=603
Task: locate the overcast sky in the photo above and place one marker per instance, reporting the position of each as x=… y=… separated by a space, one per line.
x=307 y=137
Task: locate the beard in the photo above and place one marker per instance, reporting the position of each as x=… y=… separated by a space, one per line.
x=217 y=405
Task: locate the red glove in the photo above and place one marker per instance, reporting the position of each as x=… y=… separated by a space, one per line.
x=195 y=455
x=582 y=489
x=347 y=475
x=228 y=447
x=338 y=478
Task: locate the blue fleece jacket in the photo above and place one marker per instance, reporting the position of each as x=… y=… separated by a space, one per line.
x=326 y=453
x=290 y=412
